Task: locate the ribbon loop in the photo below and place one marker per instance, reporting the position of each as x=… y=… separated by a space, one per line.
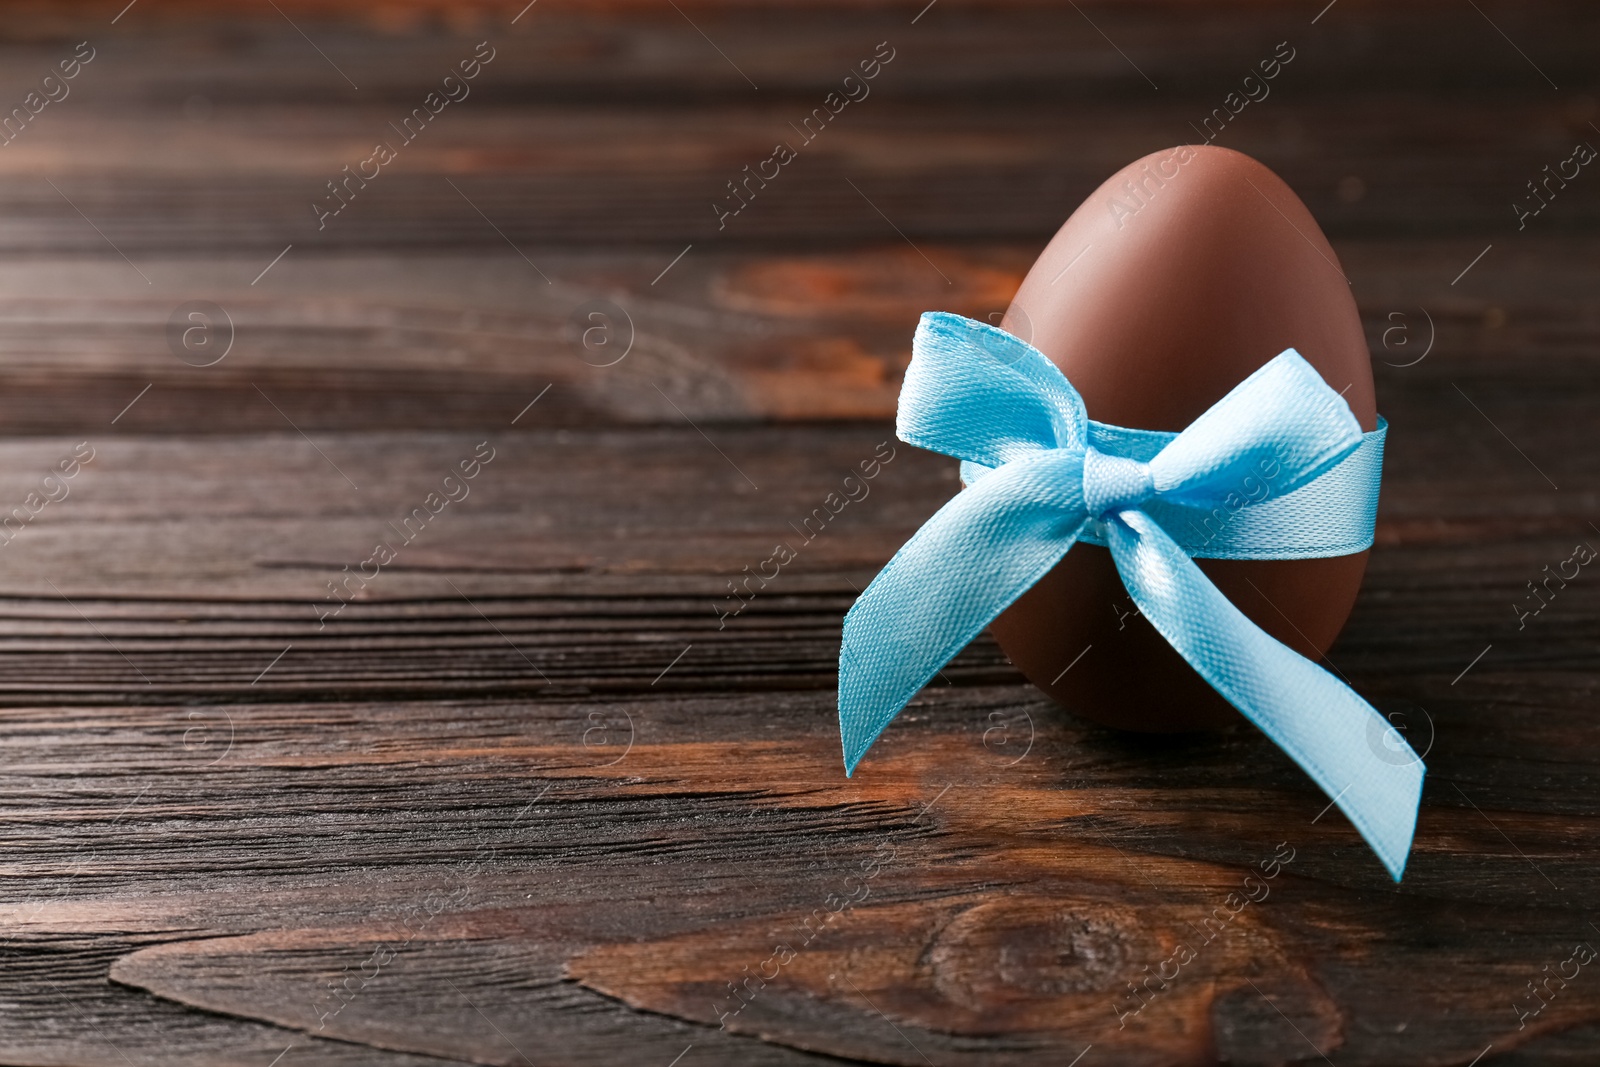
x=980 y=394
x=1282 y=414
x=1036 y=486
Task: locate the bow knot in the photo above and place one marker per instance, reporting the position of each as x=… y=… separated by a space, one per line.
x=1041 y=476
x=1112 y=483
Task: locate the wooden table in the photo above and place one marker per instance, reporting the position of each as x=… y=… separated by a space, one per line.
x=528 y=791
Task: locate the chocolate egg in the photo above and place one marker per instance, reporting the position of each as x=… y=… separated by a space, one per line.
x=1177 y=278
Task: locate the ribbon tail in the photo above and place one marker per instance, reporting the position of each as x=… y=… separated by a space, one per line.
x=987 y=546
x=1340 y=740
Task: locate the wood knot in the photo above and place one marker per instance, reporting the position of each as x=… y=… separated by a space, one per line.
x=1019 y=948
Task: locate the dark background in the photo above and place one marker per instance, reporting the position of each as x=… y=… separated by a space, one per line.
x=533 y=796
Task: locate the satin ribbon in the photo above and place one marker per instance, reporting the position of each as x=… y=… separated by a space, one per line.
x=1042 y=476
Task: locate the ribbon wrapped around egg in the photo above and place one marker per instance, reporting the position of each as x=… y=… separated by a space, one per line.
x=1041 y=476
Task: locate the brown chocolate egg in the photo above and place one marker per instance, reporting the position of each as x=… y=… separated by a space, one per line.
x=1177 y=278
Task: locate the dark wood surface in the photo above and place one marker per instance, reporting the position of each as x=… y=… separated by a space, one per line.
x=533 y=796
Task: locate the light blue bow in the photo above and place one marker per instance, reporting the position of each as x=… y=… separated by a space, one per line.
x=1042 y=476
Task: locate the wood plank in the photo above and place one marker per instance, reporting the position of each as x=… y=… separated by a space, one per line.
x=990 y=123
x=155 y=186
x=1010 y=852
x=638 y=49
x=461 y=341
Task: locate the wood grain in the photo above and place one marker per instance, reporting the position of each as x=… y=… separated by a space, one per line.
x=1165 y=829
x=546 y=790
x=459 y=341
